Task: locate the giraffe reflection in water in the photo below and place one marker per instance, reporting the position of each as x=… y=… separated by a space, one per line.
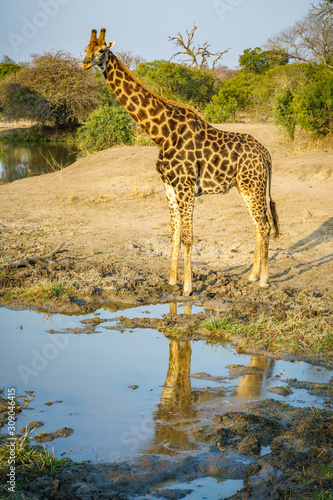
x=251 y=386
x=177 y=412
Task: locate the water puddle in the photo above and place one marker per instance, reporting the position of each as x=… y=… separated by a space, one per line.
x=202 y=488
x=130 y=392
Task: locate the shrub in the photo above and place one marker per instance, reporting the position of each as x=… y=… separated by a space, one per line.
x=52 y=88
x=7 y=67
x=107 y=126
x=284 y=113
x=305 y=99
x=313 y=103
x=218 y=113
x=234 y=94
x=179 y=82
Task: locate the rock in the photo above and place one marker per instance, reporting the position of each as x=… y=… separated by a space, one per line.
x=33 y=425
x=92 y=321
x=280 y=389
x=249 y=445
x=63 y=432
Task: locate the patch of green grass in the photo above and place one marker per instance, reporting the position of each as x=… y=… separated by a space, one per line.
x=328 y=472
x=38 y=234
x=30 y=461
x=294 y=333
x=321 y=495
x=44 y=289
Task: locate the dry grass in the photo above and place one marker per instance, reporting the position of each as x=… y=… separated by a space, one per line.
x=30 y=462
x=142 y=192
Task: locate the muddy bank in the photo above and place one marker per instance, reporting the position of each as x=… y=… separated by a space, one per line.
x=74 y=285
x=273 y=449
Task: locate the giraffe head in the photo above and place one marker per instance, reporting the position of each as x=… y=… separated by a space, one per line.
x=96 y=50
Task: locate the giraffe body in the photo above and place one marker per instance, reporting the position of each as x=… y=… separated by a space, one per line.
x=194 y=159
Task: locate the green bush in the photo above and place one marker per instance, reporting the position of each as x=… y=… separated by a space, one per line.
x=107 y=126
x=305 y=100
x=313 y=103
x=218 y=113
x=7 y=67
x=259 y=61
x=178 y=82
x=234 y=95
x=284 y=113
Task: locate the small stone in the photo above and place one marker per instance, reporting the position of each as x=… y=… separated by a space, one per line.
x=92 y=321
x=33 y=425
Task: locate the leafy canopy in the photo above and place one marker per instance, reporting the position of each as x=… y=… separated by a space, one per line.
x=178 y=82
x=259 y=61
x=52 y=88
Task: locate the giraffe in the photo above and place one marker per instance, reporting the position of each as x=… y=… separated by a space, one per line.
x=194 y=159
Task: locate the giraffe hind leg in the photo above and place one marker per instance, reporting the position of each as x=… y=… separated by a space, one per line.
x=258 y=211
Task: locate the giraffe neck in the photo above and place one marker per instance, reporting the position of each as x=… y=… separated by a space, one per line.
x=149 y=110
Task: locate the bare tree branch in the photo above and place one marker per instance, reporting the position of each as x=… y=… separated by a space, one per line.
x=309 y=39
x=198 y=55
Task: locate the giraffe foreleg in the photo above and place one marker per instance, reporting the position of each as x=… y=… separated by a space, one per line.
x=175 y=232
x=186 y=215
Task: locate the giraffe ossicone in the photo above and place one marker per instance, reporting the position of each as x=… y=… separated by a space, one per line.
x=194 y=159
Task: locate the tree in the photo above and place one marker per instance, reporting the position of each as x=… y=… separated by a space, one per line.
x=197 y=56
x=259 y=61
x=309 y=39
x=52 y=88
x=131 y=61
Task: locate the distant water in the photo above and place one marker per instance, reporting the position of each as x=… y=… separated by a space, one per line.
x=15 y=159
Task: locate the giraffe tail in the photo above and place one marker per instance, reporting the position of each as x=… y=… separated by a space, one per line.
x=272 y=204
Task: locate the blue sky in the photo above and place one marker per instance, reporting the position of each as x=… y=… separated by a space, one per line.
x=142 y=26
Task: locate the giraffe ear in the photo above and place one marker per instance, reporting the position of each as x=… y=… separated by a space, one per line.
x=110 y=45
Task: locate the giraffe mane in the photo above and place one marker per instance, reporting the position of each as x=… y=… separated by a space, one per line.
x=163 y=99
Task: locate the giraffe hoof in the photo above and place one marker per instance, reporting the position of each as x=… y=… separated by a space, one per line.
x=263 y=284
x=253 y=277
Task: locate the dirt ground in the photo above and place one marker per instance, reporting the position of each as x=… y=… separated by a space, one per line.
x=110 y=212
